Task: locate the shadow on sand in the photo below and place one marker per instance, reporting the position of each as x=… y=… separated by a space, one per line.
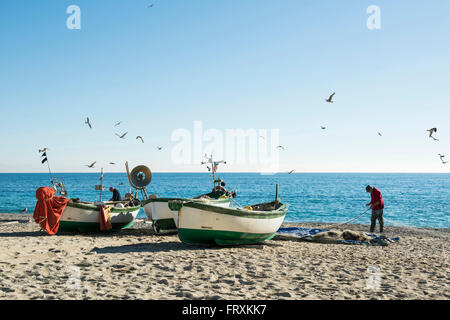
x=150 y=247
x=41 y=233
x=173 y=246
x=23 y=234
x=165 y=245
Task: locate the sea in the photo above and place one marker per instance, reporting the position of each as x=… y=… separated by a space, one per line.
x=415 y=200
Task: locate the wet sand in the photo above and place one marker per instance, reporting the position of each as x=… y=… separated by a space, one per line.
x=137 y=264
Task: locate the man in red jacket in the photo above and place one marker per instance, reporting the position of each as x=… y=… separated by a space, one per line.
x=377 y=205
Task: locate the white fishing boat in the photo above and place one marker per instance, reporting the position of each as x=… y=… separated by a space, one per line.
x=85 y=216
x=200 y=223
x=81 y=215
x=165 y=221
x=156 y=208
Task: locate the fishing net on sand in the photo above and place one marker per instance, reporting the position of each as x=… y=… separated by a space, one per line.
x=333 y=236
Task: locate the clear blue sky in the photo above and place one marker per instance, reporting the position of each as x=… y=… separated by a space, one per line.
x=250 y=64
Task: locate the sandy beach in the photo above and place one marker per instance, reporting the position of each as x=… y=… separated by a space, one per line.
x=137 y=264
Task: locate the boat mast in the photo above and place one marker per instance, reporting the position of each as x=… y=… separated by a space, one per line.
x=101 y=185
x=276 y=193
x=44 y=154
x=49 y=170
x=210 y=160
x=213 y=172
x=213 y=168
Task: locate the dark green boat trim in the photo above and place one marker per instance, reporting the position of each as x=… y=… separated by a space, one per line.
x=92 y=207
x=280 y=212
x=145 y=202
x=222 y=238
x=213 y=197
x=90 y=226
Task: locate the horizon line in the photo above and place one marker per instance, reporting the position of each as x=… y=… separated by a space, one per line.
x=256 y=172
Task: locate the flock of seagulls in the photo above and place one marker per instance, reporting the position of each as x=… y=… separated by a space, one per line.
x=431 y=132
x=280 y=147
x=330 y=100
x=121 y=136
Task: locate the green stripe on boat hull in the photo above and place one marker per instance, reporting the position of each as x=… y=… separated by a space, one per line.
x=199 y=237
x=90 y=226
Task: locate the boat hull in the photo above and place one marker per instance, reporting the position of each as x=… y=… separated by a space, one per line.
x=85 y=218
x=202 y=224
x=164 y=219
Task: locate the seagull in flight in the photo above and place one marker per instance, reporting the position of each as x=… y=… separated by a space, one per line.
x=380 y=134
x=280 y=147
x=122 y=136
x=112 y=163
x=291 y=171
x=139 y=137
x=431 y=131
x=91 y=165
x=150 y=5
x=322 y=127
x=330 y=99
x=118 y=124
x=43 y=150
x=441 y=156
x=159 y=148
x=88 y=122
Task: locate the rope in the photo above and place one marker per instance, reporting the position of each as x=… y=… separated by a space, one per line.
x=384 y=218
x=239 y=205
x=352 y=219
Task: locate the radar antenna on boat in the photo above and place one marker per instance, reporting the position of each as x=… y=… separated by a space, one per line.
x=213 y=169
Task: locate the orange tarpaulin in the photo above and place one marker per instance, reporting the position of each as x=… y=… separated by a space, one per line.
x=49 y=209
x=105 y=219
